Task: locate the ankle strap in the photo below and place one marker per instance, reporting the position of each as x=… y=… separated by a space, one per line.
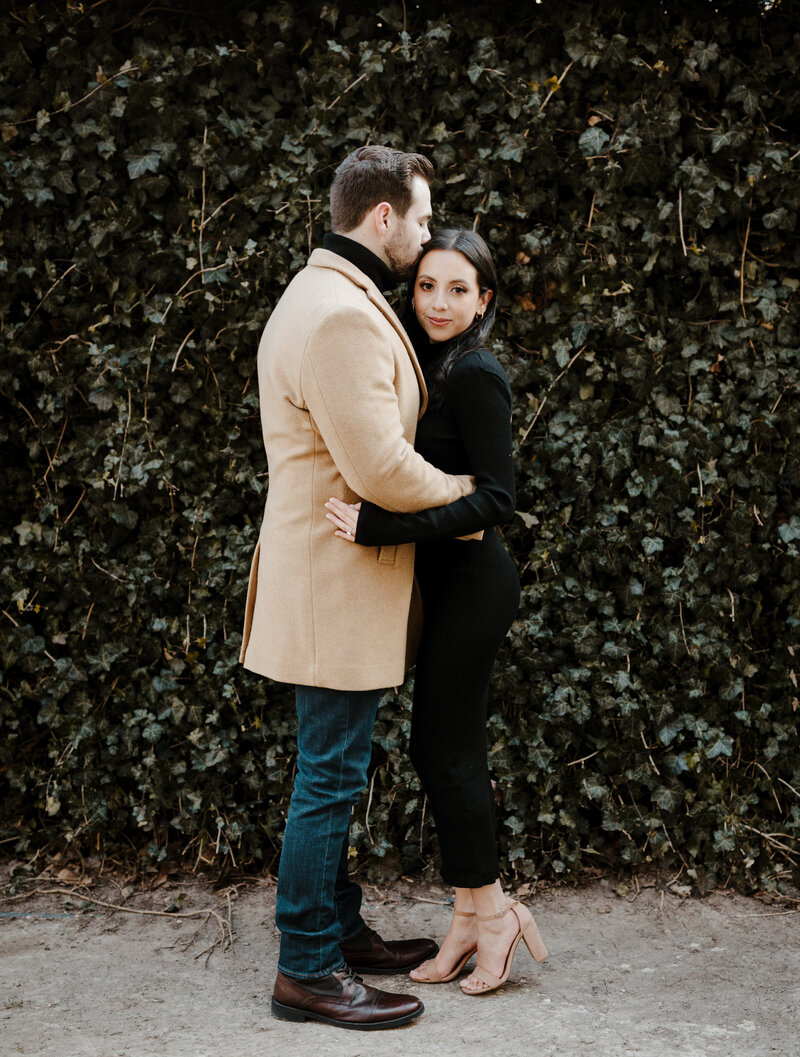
x=500 y=913
x=465 y=913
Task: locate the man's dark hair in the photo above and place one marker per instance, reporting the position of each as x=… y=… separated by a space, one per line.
x=371 y=175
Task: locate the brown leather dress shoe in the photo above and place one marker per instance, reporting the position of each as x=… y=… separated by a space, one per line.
x=366 y=952
x=344 y=1000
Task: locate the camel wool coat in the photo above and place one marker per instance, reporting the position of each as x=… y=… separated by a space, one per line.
x=341 y=392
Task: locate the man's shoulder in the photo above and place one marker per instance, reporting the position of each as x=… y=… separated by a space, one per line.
x=329 y=277
x=321 y=302
x=331 y=299
x=326 y=261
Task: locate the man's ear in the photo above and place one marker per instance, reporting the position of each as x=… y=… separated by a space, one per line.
x=380 y=216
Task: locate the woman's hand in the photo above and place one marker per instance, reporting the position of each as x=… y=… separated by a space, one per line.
x=344 y=516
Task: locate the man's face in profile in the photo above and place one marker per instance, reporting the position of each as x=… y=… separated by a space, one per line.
x=410 y=233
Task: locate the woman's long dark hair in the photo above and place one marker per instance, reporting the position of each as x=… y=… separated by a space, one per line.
x=436 y=369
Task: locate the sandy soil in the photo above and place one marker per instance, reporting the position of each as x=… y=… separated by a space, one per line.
x=653 y=974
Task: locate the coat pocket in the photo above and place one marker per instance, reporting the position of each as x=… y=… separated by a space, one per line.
x=387 y=555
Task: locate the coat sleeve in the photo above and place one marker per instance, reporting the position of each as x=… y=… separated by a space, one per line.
x=480 y=401
x=348 y=384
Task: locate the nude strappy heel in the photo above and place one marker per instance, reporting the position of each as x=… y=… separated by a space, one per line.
x=434 y=976
x=527 y=932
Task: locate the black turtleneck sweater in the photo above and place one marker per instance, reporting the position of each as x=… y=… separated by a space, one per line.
x=469 y=434
x=365 y=260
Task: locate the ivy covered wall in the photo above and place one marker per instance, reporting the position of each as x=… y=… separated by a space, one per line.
x=164 y=173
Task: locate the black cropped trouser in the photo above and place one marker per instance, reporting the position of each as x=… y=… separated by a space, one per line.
x=470 y=595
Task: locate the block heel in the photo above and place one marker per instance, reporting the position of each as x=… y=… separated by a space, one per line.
x=534 y=941
x=527 y=931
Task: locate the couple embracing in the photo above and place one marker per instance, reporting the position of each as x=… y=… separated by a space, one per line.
x=390 y=462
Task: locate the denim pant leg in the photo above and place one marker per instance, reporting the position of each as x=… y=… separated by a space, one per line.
x=347 y=895
x=334 y=744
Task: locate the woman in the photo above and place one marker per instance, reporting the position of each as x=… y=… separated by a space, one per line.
x=470 y=595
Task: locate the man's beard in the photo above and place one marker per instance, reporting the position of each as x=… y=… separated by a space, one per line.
x=400 y=261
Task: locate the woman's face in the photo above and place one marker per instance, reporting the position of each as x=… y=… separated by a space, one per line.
x=447 y=294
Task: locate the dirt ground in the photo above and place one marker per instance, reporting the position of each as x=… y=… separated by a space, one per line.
x=653 y=973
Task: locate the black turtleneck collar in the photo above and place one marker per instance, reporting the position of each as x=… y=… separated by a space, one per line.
x=365 y=260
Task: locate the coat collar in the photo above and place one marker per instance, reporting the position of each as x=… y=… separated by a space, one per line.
x=370 y=264
x=321 y=258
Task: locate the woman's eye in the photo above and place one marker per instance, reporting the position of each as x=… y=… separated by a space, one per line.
x=459 y=290
x=425 y=286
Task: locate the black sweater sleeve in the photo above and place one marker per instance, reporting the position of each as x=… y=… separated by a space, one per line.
x=479 y=398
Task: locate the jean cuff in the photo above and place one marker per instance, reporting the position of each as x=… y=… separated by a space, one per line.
x=294 y=975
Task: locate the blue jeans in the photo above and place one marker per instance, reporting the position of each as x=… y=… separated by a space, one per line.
x=317 y=905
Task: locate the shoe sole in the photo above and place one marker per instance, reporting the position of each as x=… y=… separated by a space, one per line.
x=298 y=1015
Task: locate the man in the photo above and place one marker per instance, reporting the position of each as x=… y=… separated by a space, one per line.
x=341 y=391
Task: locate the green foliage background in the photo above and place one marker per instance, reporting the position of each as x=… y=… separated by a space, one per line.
x=163 y=176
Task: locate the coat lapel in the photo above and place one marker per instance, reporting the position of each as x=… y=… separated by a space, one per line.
x=326 y=259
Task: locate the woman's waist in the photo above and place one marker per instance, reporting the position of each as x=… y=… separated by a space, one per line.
x=453 y=550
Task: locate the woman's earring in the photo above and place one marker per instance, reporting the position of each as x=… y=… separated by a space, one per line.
x=479 y=315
